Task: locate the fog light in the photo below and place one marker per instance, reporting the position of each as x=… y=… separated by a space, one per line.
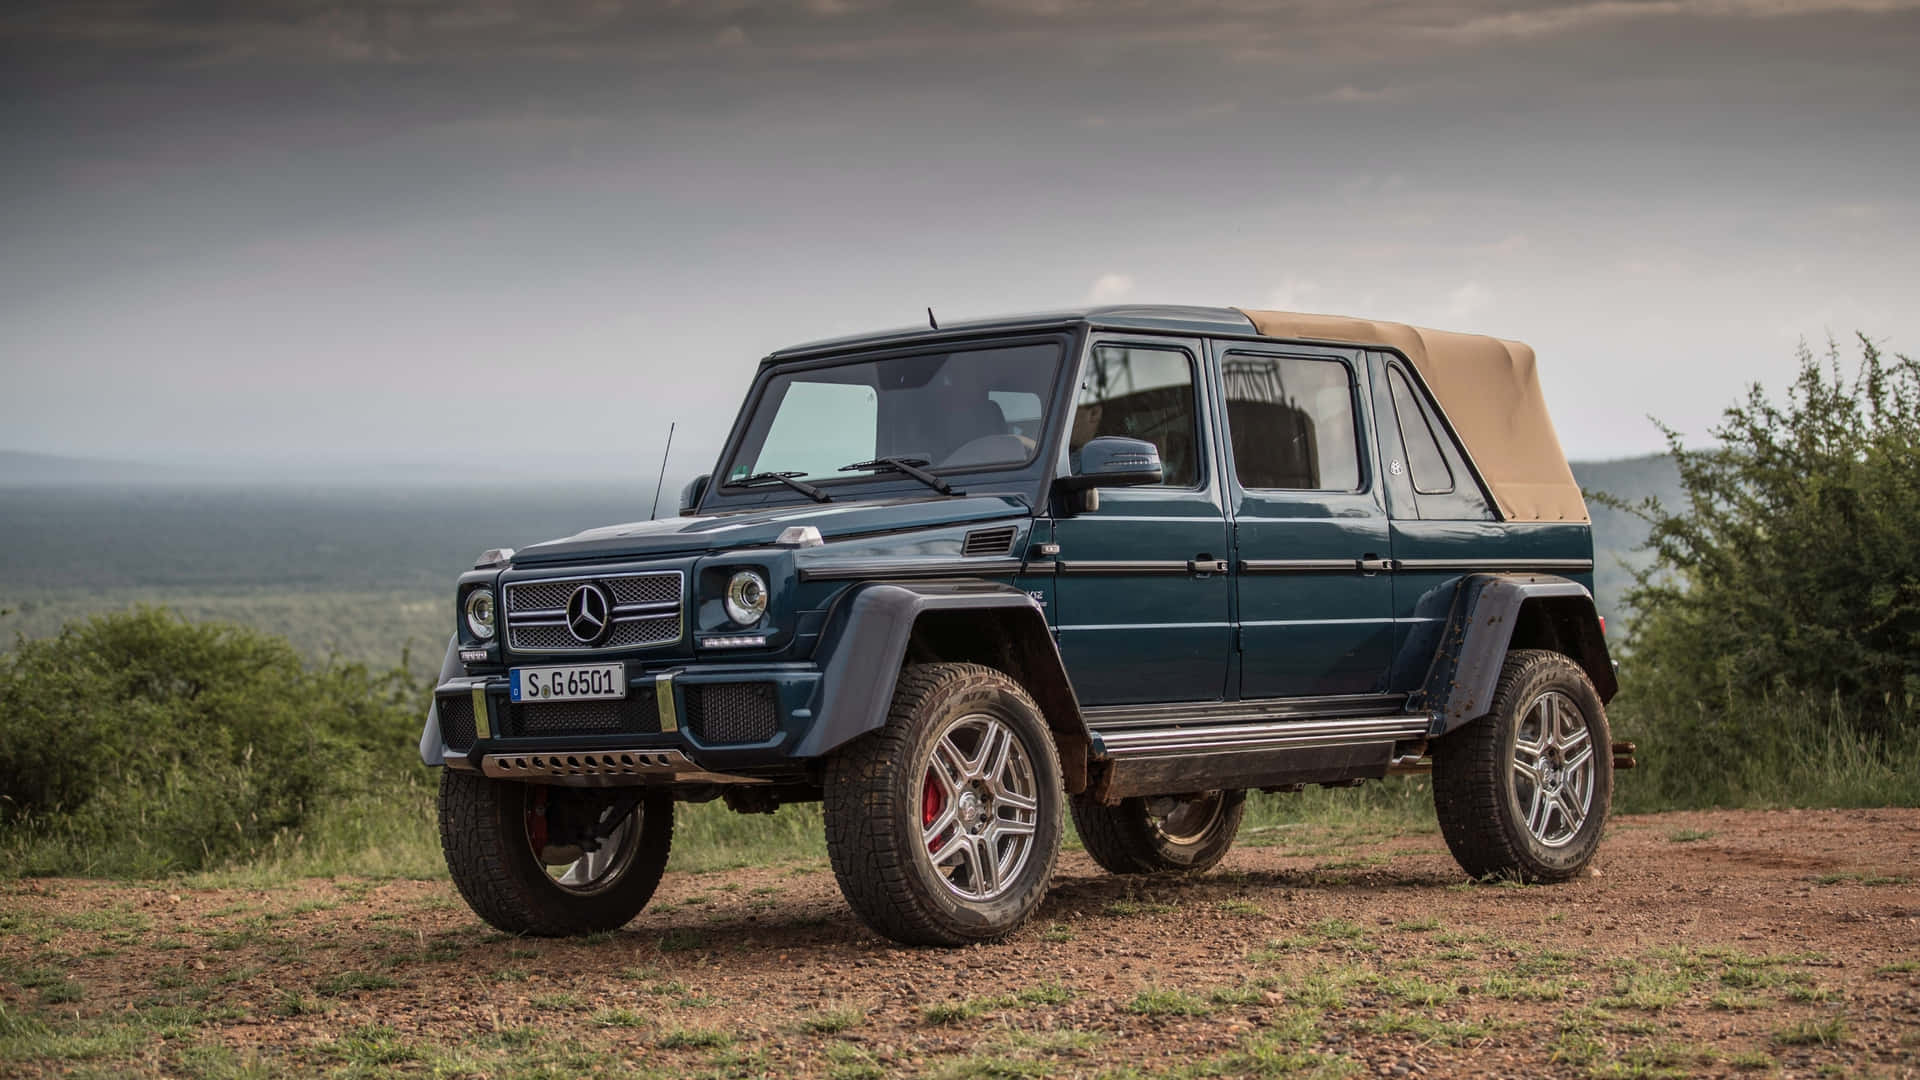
x=480 y=613
x=746 y=598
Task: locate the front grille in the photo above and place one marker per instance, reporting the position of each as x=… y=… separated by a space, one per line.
x=646 y=612
x=723 y=713
x=646 y=589
x=636 y=714
x=456 y=721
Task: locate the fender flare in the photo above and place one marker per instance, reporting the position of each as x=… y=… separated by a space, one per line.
x=864 y=647
x=1487 y=611
x=433 y=750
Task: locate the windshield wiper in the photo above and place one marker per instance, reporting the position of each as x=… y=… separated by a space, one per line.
x=787 y=478
x=906 y=467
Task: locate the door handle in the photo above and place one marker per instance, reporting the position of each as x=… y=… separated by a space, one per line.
x=1373 y=565
x=1205 y=565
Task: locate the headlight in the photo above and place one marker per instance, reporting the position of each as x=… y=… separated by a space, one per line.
x=480 y=613
x=746 y=597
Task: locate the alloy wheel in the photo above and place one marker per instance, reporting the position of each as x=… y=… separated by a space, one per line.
x=1553 y=769
x=979 y=806
x=570 y=867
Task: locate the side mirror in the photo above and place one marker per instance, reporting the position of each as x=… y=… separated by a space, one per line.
x=691 y=494
x=1110 y=461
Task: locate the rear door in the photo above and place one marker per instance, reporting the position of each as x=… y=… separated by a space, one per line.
x=1443 y=526
x=1314 y=585
x=1141 y=591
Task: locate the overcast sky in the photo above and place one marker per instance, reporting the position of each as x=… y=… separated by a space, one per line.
x=270 y=230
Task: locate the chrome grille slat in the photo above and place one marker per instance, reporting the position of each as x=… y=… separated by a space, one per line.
x=646 y=612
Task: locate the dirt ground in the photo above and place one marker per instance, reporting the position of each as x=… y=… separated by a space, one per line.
x=1752 y=943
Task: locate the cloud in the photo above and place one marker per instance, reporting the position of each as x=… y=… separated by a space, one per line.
x=1462 y=306
x=1547 y=21
x=1352 y=95
x=1110 y=289
x=1295 y=293
x=1076 y=34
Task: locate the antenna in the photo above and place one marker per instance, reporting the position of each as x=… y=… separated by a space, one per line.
x=930 y=321
x=655 y=512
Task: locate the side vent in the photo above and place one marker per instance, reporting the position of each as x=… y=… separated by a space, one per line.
x=988 y=542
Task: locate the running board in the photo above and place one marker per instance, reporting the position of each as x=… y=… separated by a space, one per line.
x=1302 y=734
x=1175 y=760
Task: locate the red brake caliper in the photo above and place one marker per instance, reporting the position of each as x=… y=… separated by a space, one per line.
x=537 y=820
x=933 y=799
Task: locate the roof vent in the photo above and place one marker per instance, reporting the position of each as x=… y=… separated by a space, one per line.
x=988 y=542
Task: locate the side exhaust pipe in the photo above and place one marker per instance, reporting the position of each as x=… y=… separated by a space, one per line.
x=1415 y=764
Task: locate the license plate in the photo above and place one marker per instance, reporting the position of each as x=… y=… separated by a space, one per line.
x=581 y=682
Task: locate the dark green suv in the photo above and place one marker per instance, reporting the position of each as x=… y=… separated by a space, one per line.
x=1128 y=563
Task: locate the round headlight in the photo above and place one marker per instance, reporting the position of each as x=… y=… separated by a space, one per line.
x=746 y=597
x=480 y=613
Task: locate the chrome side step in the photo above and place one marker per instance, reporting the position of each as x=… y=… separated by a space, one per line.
x=605 y=768
x=1297 y=735
x=1340 y=706
x=1171 y=760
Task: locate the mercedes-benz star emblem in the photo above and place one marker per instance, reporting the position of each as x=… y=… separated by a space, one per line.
x=589 y=614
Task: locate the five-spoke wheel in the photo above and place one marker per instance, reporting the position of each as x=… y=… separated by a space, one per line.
x=1523 y=791
x=1157 y=833
x=1553 y=768
x=943 y=825
x=979 y=805
x=552 y=862
x=571 y=866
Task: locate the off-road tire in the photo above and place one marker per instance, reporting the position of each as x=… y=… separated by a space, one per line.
x=1474 y=788
x=873 y=805
x=1125 y=839
x=483 y=834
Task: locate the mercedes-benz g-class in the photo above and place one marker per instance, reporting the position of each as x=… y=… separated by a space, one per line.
x=1127 y=563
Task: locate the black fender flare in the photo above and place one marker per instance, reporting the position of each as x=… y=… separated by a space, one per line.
x=433 y=749
x=1545 y=610
x=864 y=644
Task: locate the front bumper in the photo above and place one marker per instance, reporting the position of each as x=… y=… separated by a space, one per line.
x=714 y=723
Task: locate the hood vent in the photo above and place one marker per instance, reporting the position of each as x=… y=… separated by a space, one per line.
x=988 y=542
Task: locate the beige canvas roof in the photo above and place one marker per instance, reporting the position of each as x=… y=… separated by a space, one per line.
x=1490 y=393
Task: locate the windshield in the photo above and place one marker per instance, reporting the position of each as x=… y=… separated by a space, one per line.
x=962 y=410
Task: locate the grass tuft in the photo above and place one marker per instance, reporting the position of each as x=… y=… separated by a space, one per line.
x=1831 y=1031
x=693 y=1039
x=348 y=982
x=1156 y=1001
x=833 y=1021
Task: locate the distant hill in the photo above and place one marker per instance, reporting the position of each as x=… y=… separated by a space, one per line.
x=20 y=468
x=29 y=469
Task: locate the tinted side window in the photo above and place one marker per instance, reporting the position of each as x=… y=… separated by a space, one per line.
x=1431 y=476
x=1292 y=422
x=1142 y=393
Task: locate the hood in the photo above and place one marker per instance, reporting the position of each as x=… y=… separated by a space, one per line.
x=758 y=528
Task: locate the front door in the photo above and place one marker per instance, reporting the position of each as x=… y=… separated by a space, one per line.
x=1313 y=562
x=1142 y=592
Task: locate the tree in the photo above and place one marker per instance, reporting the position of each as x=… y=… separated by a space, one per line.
x=139 y=743
x=1793 y=565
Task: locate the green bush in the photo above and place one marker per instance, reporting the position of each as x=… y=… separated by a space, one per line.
x=1779 y=623
x=136 y=743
